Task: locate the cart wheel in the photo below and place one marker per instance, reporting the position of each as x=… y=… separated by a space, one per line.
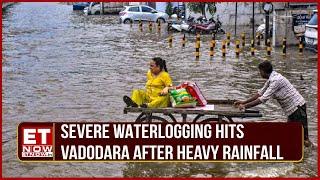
x=230 y=119
x=152 y=119
x=197 y=118
x=142 y=115
x=171 y=117
x=214 y=119
x=209 y=120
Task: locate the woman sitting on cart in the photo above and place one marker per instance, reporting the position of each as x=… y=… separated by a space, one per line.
x=158 y=84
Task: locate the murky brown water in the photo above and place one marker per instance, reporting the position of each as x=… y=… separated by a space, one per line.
x=59 y=65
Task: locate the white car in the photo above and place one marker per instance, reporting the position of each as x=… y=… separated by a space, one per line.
x=143 y=13
x=92 y=6
x=95 y=9
x=311 y=34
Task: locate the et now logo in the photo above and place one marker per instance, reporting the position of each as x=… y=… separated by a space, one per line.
x=36 y=142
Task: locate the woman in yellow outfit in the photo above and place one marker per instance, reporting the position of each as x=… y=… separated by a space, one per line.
x=158 y=84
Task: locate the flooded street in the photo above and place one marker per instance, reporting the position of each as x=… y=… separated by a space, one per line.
x=60 y=65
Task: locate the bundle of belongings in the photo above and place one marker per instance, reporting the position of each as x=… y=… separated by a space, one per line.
x=188 y=94
x=181 y=98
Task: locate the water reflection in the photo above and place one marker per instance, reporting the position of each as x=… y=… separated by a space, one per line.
x=60 y=65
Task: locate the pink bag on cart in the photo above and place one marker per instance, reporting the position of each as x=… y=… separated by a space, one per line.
x=194 y=91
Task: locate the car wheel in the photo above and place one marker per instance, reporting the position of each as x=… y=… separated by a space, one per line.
x=161 y=20
x=97 y=13
x=127 y=21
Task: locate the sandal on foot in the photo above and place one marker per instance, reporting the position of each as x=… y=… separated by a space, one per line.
x=129 y=102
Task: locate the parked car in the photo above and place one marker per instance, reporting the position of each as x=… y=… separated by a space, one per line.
x=80 y=6
x=311 y=34
x=87 y=10
x=142 y=12
x=109 y=8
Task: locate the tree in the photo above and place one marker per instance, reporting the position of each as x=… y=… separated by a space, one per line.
x=202 y=7
x=169 y=9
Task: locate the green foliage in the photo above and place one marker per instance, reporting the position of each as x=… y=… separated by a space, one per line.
x=211 y=7
x=202 y=7
x=169 y=9
x=197 y=7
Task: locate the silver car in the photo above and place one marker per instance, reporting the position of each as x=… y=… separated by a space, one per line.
x=143 y=13
x=311 y=33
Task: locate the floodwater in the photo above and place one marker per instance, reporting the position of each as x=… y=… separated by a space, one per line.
x=59 y=65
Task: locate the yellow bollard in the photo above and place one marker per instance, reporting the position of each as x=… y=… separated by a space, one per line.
x=140 y=25
x=252 y=47
x=170 y=40
x=243 y=37
x=159 y=26
x=228 y=38
x=212 y=46
x=258 y=39
x=197 y=51
x=214 y=43
x=198 y=39
x=183 y=40
x=198 y=46
x=284 y=46
x=224 y=48
x=300 y=46
x=150 y=26
x=268 y=47
x=237 y=48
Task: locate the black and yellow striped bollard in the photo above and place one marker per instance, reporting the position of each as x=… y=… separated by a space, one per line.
x=150 y=26
x=252 y=47
x=198 y=39
x=197 y=51
x=224 y=48
x=300 y=46
x=212 y=46
x=183 y=41
x=243 y=37
x=237 y=48
x=268 y=47
x=198 y=46
x=140 y=25
x=159 y=26
x=170 y=40
x=284 y=46
x=228 y=38
x=258 y=39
